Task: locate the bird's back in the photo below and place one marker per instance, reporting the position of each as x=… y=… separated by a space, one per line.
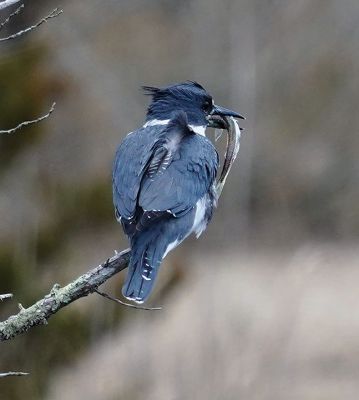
x=163 y=191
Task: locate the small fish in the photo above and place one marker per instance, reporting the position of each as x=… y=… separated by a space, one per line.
x=233 y=144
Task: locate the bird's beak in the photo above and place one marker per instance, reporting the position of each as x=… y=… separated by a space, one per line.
x=216 y=120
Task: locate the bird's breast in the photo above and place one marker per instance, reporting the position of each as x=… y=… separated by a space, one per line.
x=201 y=215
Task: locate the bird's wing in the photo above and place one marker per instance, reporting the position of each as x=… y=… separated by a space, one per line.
x=130 y=161
x=177 y=177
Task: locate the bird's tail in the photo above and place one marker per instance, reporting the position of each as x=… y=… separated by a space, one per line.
x=143 y=268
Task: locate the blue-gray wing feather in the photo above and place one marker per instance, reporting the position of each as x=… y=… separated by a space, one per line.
x=187 y=178
x=129 y=165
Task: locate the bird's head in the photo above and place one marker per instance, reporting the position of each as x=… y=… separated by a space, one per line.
x=191 y=98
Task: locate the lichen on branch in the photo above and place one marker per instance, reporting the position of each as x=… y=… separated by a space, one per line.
x=59 y=297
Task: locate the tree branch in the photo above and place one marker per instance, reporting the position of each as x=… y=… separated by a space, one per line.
x=7 y=3
x=11 y=373
x=16 y=12
x=40 y=312
x=118 y=301
x=54 y=13
x=26 y=123
x=5 y=296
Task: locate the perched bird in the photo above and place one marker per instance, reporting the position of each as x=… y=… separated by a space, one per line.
x=163 y=179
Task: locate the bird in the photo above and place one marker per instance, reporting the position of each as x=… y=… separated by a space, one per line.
x=164 y=177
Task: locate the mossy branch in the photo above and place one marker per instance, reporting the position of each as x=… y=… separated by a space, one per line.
x=59 y=297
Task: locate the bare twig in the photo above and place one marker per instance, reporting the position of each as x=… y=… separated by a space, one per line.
x=7 y=3
x=26 y=123
x=107 y=296
x=40 y=312
x=5 y=296
x=56 y=12
x=11 y=373
x=16 y=12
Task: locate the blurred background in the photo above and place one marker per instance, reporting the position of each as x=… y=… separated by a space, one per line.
x=263 y=305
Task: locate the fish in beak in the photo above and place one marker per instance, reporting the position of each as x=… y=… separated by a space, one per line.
x=217 y=117
x=233 y=144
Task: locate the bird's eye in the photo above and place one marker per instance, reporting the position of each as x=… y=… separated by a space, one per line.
x=207 y=106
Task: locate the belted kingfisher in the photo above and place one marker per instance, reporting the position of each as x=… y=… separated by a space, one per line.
x=164 y=179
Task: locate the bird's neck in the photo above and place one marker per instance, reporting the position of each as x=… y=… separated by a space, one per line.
x=198 y=129
x=155 y=121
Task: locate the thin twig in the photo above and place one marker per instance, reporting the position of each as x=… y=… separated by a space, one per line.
x=16 y=12
x=59 y=297
x=5 y=296
x=7 y=3
x=26 y=123
x=11 y=373
x=56 y=12
x=107 y=296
